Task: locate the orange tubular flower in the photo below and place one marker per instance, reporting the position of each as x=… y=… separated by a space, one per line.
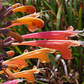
x=18 y=8
x=40 y=54
x=16 y=65
x=32 y=23
x=28 y=9
x=28 y=74
x=20 y=63
x=60 y=45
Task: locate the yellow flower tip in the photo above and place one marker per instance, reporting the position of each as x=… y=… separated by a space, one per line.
x=56 y=52
x=31 y=78
x=10 y=53
x=43 y=57
x=28 y=9
x=48 y=50
x=28 y=74
x=74 y=43
x=36 y=70
x=25 y=51
x=16 y=5
x=34 y=67
x=44 y=62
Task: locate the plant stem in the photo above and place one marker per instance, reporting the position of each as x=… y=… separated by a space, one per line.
x=80 y=65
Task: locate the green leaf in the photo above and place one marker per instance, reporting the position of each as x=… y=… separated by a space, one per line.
x=71 y=11
x=58 y=18
x=52 y=61
x=80 y=18
x=75 y=5
x=48 y=6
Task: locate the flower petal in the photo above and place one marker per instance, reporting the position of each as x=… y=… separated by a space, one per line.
x=20 y=63
x=28 y=9
x=28 y=74
x=40 y=54
x=60 y=45
x=35 y=22
x=30 y=21
x=60 y=35
x=16 y=81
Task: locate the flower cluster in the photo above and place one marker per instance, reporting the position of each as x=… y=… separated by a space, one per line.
x=54 y=40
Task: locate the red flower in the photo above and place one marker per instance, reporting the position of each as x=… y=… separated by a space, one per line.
x=16 y=81
x=60 y=45
x=60 y=35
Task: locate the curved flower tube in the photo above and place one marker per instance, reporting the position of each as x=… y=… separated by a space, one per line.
x=21 y=63
x=15 y=65
x=28 y=74
x=18 y=8
x=16 y=81
x=32 y=23
x=61 y=35
x=28 y=9
x=4 y=13
x=40 y=54
x=60 y=45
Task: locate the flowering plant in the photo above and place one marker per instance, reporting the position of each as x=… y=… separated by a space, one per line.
x=52 y=42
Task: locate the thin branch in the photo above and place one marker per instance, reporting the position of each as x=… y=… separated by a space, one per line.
x=80 y=65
